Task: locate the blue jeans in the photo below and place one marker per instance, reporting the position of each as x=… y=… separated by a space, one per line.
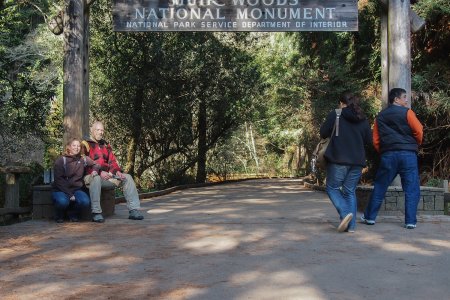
x=62 y=203
x=393 y=163
x=341 y=187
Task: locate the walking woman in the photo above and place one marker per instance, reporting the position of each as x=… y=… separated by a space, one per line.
x=345 y=156
x=68 y=187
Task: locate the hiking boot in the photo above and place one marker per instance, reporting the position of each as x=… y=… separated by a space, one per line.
x=410 y=226
x=344 y=223
x=367 y=222
x=135 y=215
x=98 y=218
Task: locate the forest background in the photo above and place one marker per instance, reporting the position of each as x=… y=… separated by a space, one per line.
x=194 y=107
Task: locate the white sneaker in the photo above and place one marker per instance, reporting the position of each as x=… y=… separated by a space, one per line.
x=368 y=222
x=344 y=223
x=410 y=226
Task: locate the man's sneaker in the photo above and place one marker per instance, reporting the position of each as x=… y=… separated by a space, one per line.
x=344 y=223
x=98 y=218
x=135 y=215
x=410 y=226
x=368 y=222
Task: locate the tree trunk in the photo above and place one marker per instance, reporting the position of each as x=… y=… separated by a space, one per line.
x=202 y=147
x=131 y=156
x=76 y=75
x=136 y=133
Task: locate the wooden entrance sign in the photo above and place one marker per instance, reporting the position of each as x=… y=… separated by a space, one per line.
x=235 y=15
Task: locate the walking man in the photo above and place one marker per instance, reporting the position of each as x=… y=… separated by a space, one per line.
x=110 y=175
x=397 y=134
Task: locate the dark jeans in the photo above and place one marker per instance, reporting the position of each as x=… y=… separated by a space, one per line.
x=393 y=163
x=62 y=203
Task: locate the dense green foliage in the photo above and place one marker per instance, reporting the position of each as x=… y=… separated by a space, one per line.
x=180 y=106
x=168 y=97
x=30 y=73
x=431 y=82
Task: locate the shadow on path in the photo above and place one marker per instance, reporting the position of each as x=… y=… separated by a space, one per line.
x=264 y=239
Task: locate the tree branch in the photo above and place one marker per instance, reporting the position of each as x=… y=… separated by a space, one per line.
x=35 y=6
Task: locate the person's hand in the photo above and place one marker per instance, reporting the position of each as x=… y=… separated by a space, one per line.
x=120 y=175
x=105 y=175
x=72 y=198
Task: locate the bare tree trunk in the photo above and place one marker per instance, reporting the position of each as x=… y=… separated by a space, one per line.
x=202 y=147
x=255 y=155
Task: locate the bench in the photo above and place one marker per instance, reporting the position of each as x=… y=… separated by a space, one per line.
x=43 y=207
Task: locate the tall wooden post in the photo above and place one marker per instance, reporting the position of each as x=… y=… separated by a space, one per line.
x=393 y=14
x=399 y=46
x=76 y=75
x=384 y=58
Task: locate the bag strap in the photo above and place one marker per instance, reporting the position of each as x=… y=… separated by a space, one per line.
x=336 y=123
x=65 y=166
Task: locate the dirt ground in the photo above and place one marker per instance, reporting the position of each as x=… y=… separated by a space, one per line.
x=264 y=239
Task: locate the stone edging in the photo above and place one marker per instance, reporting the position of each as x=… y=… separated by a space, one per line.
x=184 y=187
x=433 y=200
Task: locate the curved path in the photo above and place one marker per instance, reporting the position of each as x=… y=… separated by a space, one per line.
x=264 y=239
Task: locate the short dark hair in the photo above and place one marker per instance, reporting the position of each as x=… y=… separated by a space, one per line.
x=394 y=93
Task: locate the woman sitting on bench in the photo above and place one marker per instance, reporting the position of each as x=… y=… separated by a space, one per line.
x=68 y=188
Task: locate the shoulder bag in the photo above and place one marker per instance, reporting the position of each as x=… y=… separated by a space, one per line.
x=319 y=153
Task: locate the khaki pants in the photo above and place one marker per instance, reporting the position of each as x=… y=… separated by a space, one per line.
x=95 y=184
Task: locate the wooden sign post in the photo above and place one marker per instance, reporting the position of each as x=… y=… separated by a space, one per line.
x=397 y=22
x=228 y=15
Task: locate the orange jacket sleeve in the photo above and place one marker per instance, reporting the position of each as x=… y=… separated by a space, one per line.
x=416 y=126
x=376 y=137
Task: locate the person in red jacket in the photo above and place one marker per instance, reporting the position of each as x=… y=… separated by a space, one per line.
x=110 y=175
x=68 y=188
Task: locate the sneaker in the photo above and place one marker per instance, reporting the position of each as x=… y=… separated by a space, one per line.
x=410 y=226
x=344 y=223
x=74 y=219
x=368 y=222
x=59 y=220
x=98 y=218
x=135 y=215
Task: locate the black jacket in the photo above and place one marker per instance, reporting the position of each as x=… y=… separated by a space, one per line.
x=354 y=133
x=394 y=130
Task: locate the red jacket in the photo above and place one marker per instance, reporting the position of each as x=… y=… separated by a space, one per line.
x=101 y=152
